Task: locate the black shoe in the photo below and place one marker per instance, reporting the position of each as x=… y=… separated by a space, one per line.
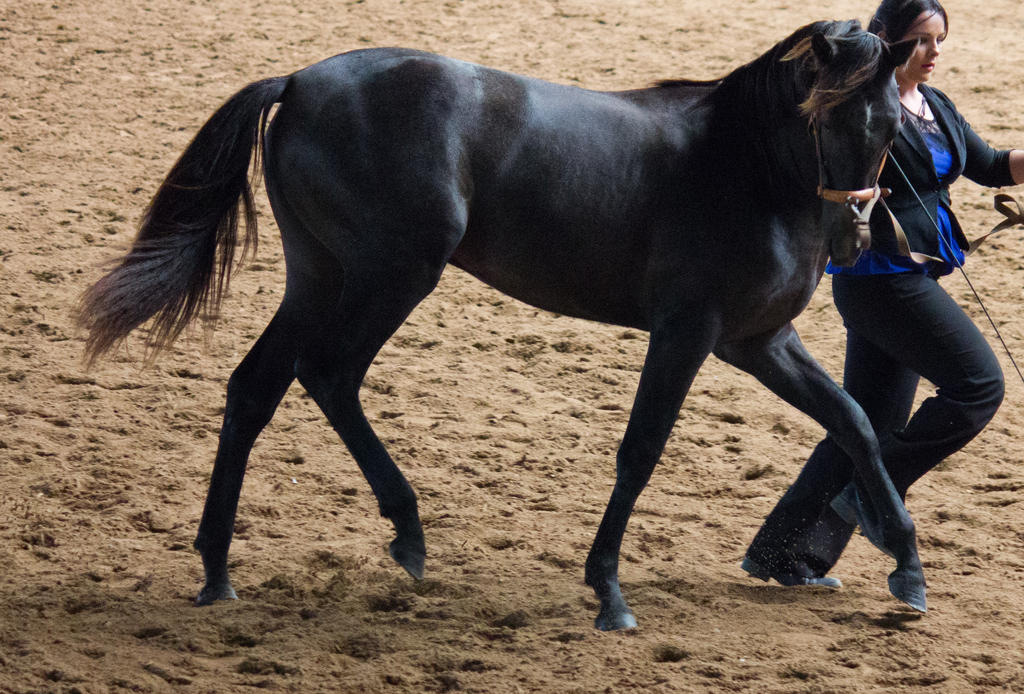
x=758 y=571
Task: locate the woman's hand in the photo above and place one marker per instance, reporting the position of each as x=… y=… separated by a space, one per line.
x=1017 y=165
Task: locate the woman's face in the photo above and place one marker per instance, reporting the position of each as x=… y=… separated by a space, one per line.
x=930 y=31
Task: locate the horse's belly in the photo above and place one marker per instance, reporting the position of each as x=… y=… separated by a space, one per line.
x=760 y=304
x=594 y=279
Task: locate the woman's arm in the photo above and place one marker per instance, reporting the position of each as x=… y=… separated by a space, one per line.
x=983 y=164
x=1017 y=165
x=990 y=167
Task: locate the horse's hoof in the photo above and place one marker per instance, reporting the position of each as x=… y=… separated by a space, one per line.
x=615 y=619
x=412 y=559
x=909 y=586
x=212 y=593
x=850 y=508
x=759 y=572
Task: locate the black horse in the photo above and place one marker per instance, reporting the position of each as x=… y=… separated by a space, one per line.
x=697 y=211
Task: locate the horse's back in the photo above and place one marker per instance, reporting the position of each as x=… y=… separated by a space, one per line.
x=385 y=93
x=548 y=192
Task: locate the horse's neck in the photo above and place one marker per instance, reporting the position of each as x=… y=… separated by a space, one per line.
x=773 y=168
x=755 y=106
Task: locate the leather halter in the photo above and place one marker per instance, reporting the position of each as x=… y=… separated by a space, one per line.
x=859 y=203
x=848 y=197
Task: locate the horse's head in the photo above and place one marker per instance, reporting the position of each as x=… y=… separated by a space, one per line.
x=854 y=113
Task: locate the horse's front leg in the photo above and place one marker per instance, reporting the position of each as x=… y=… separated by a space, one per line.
x=674 y=355
x=781 y=362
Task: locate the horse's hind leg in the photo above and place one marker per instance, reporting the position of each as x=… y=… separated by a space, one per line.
x=254 y=391
x=257 y=385
x=378 y=295
x=673 y=358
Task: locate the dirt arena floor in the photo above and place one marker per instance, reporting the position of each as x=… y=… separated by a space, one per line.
x=504 y=418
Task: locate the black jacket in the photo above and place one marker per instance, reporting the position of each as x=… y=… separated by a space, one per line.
x=972 y=157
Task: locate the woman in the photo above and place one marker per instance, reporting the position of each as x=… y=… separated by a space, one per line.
x=900 y=323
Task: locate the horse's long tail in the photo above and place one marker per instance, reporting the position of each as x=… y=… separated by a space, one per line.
x=181 y=260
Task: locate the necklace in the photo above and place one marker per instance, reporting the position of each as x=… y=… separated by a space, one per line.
x=920 y=120
x=922 y=110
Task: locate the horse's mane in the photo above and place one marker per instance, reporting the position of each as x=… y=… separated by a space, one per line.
x=789 y=75
x=857 y=58
x=788 y=81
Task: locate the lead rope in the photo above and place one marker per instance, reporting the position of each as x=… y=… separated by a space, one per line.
x=1012 y=220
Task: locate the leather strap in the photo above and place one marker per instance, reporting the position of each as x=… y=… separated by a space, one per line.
x=902 y=245
x=1002 y=205
x=847 y=197
x=844 y=196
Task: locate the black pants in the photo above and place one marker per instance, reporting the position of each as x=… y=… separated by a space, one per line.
x=899 y=327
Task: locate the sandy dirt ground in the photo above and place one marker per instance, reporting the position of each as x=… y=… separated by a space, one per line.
x=504 y=418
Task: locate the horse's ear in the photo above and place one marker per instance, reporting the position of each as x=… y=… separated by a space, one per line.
x=824 y=49
x=895 y=54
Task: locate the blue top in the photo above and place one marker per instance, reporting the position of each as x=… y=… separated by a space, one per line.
x=872 y=263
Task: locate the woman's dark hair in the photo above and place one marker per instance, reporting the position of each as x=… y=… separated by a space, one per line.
x=896 y=17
